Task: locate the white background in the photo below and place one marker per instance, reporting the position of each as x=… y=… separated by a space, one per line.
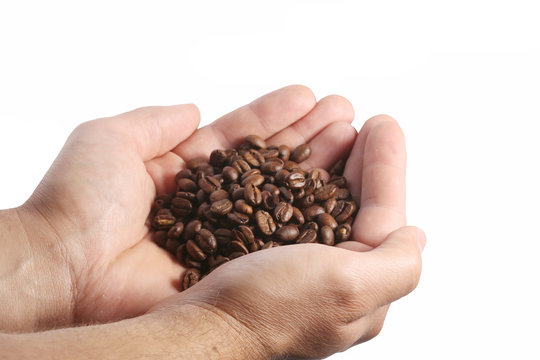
x=462 y=77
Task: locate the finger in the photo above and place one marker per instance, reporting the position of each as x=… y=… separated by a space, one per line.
x=367 y=327
x=330 y=145
x=328 y=110
x=264 y=117
x=382 y=194
x=157 y=129
x=354 y=246
x=392 y=270
x=162 y=170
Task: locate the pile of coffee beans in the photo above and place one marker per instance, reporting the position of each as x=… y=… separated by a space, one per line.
x=249 y=199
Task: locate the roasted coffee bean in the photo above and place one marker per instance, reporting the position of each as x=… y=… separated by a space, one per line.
x=343 y=210
x=190 y=278
x=286 y=194
x=269 y=179
x=218 y=195
x=268 y=245
x=221 y=207
x=185 y=184
x=190 y=263
x=307 y=236
x=223 y=236
x=256 y=141
x=343 y=233
x=298 y=193
x=253 y=158
x=327 y=236
x=280 y=176
x=164 y=220
x=297 y=217
x=306 y=201
x=287 y=233
x=253 y=247
x=273 y=189
x=311 y=186
x=269 y=153
x=244 y=234
x=160 y=238
x=183 y=174
x=181 y=206
x=295 y=180
x=283 y=212
x=249 y=173
x=230 y=174
x=325 y=192
x=209 y=184
x=236 y=254
x=272 y=166
x=162 y=201
x=210 y=226
x=186 y=195
x=329 y=205
x=290 y=165
x=337 y=168
x=342 y=194
x=243 y=207
x=218 y=157
x=241 y=166
x=265 y=222
x=312 y=212
x=206 y=241
x=238 y=193
x=311 y=225
x=237 y=218
x=301 y=153
x=252 y=194
x=284 y=152
x=171 y=245
x=325 y=219
x=268 y=201
x=196 y=163
x=191 y=229
x=176 y=230
x=238 y=246
x=208 y=214
x=255 y=179
x=339 y=181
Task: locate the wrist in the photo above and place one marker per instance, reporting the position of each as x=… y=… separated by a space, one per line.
x=35 y=291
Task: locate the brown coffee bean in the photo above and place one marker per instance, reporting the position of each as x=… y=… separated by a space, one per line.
x=255 y=179
x=312 y=212
x=218 y=195
x=301 y=153
x=176 y=230
x=209 y=226
x=160 y=238
x=219 y=157
x=162 y=201
x=268 y=245
x=183 y=174
x=252 y=194
x=269 y=153
x=327 y=236
x=272 y=166
x=343 y=210
x=254 y=158
x=268 y=201
x=297 y=217
x=191 y=229
x=311 y=225
x=186 y=195
x=237 y=218
x=171 y=245
x=286 y=194
x=190 y=278
x=307 y=236
x=209 y=184
x=197 y=163
x=221 y=207
x=342 y=194
x=329 y=205
x=238 y=246
x=295 y=180
x=195 y=252
x=273 y=189
x=249 y=173
x=256 y=141
x=283 y=212
x=206 y=241
x=339 y=181
x=244 y=234
x=338 y=167
x=265 y=222
x=311 y=185
x=238 y=193
x=305 y=201
x=181 y=206
x=280 y=176
x=290 y=165
x=241 y=166
x=230 y=174
x=284 y=152
x=325 y=192
x=253 y=247
x=223 y=236
x=287 y=233
x=243 y=207
x=164 y=221
x=185 y=184
x=325 y=219
x=236 y=254
x=343 y=233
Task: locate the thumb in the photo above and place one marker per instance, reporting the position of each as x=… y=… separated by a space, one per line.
x=394 y=266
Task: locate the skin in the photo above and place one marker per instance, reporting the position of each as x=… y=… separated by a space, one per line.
x=84 y=232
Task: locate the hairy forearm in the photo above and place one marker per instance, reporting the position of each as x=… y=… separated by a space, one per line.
x=33 y=280
x=188 y=333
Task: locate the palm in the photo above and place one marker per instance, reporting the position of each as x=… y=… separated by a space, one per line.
x=109 y=172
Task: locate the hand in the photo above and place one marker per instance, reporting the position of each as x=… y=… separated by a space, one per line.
x=312 y=300
x=86 y=220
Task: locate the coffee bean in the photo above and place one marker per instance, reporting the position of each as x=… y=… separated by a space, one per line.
x=185 y=184
x=176 y=230
x=337 y=168
x=343 y=210
x=268 y=201
x=223 y=236
x=283 y=212
x=273 y=189
x=307 y=236
x=325 y=219
x=311 y=225
x=301 y=153
x=286 y=194
x=297 y=217
x=287 y=233
x=164 y=221
x=269 y=153
x=218 y=157
x=162 y=201
x=236 y=254
x=290 y=165
x=343 y=233
x=181 y=206
x=206 y=241
x=160 y=238
x=284 y=152
x=196 y=163
x=171 y=245
x=221 y=207
x=243 y=207
x=252 y=194
x=281 y=175
x=265 y=222
x=191 y=229
x=272 y=166
x=244 y=234
x=238 y=246
x=295 y=180
x=342 y=194
x=237 y=218
x=256 y=141
x=312 y=212
x=229 y=173
x=218 y=195
x=238 y=193
x=339 y=181
x=268 y=245
x=329 y=205
x=255 y=179
x=327 y=235
x=209 y=184
x=325 y=192
x=183 y=174
x=195 y=252
x=190 y=278
x=218 y=262
x=241 y=166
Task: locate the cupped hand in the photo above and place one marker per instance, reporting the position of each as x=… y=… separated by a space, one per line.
x=92 y=205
